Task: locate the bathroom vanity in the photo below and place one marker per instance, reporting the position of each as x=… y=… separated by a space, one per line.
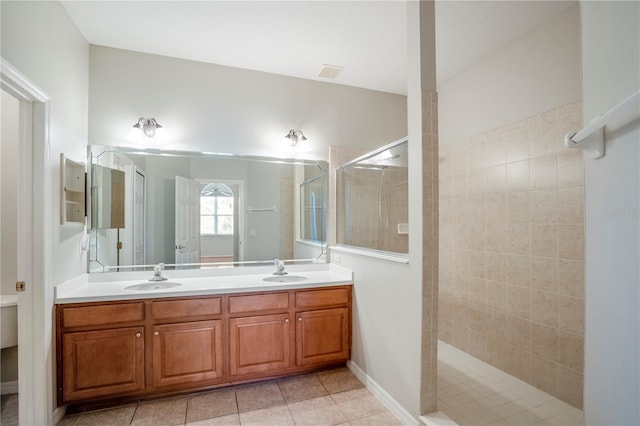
x=114 y=345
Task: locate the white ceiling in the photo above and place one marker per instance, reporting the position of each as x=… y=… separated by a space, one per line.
x=295 y=38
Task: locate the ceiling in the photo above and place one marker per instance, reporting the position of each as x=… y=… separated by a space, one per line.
x=295 y=38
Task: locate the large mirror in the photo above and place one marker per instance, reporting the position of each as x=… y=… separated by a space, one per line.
x=197 y=209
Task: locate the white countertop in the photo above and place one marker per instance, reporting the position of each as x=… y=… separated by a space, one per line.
x=86 y=289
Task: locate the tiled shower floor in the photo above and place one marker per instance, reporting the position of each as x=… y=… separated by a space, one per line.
x=333 y=397
x=472 y=392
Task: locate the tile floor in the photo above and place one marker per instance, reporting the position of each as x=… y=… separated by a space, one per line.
x=9 y=410
x=472 y=392
x=333 y=397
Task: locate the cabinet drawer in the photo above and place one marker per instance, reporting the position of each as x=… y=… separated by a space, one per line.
x=99 y=315
x=316 y=298
x=258 y=302
x=179 y=309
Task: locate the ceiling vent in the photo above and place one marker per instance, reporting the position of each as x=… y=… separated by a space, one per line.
x=330 y=71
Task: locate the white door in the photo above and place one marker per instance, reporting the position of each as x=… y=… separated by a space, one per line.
x=187 y=221
x=138 y=219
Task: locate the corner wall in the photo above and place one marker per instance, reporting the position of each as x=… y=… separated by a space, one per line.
x=611 y=67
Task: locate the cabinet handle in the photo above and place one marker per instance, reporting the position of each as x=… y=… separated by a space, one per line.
x=138 y=334
x=156 y=333
x=299 y=318
x=286 y=320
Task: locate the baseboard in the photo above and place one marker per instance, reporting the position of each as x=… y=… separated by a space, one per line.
x=7 y=388
x=437 y=418
x=58 y=414
x=392 y=405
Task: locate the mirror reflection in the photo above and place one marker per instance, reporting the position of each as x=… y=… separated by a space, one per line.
x=373 y=200
x=192 y=209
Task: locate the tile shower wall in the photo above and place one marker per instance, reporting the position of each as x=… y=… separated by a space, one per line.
x=512 y=251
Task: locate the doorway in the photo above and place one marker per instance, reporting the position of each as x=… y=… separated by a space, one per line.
x=33 y=248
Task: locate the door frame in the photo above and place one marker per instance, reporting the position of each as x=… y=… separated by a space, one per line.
x=36 y=348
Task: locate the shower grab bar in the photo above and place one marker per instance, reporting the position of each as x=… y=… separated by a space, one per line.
x=591 y=137
x=261 y=209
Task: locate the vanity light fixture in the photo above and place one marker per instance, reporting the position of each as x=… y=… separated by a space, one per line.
x=297 y=140
x=147 y=126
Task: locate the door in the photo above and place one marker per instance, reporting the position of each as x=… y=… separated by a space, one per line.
x=187 y=353
x=259 y=344
x=187 y=226
x=105 y=362
x=139 y=224
x=322 y=336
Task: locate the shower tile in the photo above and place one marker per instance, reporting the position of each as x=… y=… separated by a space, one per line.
x=544 y=341
x=544 y=206
x=518 y=210
x=518 y=176
x=519 y=301
x=571 y=387
x=496 y=179
x=497 y=234
x=519 y=332
x=544 y=308
x=519 y=270
x=571 y=278
x=571 y=242
x=496 y=323
x=544 y=240
x=544 y=375
x=571 y=314
x=570 y=168
x=571 y=351
x=571 y=205
x=478 y=264
x=544 y=274
x=497 y=267
x=544 y=172
x=496 y=208
x=477 y=291
x=519 y=239
x=496 y=295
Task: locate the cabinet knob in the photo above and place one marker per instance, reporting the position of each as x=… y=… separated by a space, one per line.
x=156 y=333
x=299 y=318
x=286 y=320
x=138 y=334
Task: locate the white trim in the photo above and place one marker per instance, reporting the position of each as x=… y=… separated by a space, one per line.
x=437 y=418
x=7 y=388
x=378 y=254
x=59 y=413
x=35 y=322
x=392 y=405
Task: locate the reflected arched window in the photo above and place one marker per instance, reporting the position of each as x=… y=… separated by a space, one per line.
x=216 y=210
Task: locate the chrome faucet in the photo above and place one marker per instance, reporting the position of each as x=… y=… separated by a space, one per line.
x=279 y=267
x=157 y=273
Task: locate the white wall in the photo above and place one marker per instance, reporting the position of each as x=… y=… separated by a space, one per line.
x=9 y=193
x=538 y=72
x=41 y=41
x=210 y=107
x=611 y=66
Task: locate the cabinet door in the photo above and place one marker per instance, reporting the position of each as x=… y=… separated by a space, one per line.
x=100 y=363
x=322 y=336
x=187 y=353
x=259 y=344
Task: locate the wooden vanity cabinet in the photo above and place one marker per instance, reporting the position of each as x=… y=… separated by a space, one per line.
x=128 y=350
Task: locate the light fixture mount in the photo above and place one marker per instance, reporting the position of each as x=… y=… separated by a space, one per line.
x=148 y=126
x=295 y=137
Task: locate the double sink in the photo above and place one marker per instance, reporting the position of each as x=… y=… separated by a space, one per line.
x=161 y=285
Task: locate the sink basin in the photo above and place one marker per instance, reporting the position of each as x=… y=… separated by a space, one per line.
x=284 y=278
x=154 y=285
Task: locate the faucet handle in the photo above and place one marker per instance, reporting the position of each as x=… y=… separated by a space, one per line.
x=159 y=267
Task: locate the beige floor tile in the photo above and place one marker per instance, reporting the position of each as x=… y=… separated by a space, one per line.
x=317 y=411
x=339 y=380
x=382 y=419
x=362 y=407
x=112 y=416
x=274 y=416
x=230 y=420
x=258 y=396
x=301 y=387
x=66 y=420
x=212 y=404
x=350 y=395
x=162 y=412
